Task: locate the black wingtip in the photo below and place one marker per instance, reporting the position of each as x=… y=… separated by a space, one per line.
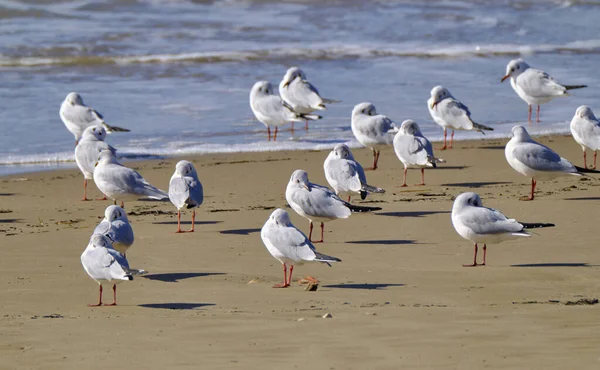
x=359 y=209
x=535 y=225
x=129 y=277
x=363 y=194
x=585 y=170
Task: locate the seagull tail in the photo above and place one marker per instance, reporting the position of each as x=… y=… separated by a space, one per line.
x=325 y=258
x=370 y=189
x=312 y=117
x=110 y=128
x=581 y=170
x=479 y=127
x=535 y=225
x=154 y=193
x=359 y=209
x=331 y=101
x=573 y=87
x=136 y=272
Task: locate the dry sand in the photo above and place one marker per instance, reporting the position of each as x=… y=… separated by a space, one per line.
x=399 y=299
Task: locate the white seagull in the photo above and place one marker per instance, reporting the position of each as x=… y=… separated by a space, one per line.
x=271 y=110
x=300 y=94
x=534 y=160
x=317 y=203
x=450 y=113
x=87 y=151
x=372 y=130
x=105 y=265
x=480 y=224
x=585 y=129
x=122 y=183
x=534 y=86
x=414 y=150
x=185 y=191
x=77 y=117
x=116 y=227
x=290 y=246
x=345 y=175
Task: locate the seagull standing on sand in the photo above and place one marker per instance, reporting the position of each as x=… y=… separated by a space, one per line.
x=300 y=94
x=185 y=191
x=77 y=117
x=87 y=151
x=317 y=203
x=271 y=110
x=290 y=246
x=534 y=86
x=414 y=150
x=105 y=265
x=372 y=130
x=450 y=113
x=585 y=129
x=345 y=175
x=480 y=224
x=534 y=160
x=116 y=227
x=121 y=183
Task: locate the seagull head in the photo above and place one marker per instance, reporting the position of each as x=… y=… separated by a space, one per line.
x=74 y=98
x=467 y=200
x=438 y=94
x=280 y=217
x=291 y=75
x=106 y=156
x=261 y=88
x=585 y=112
x=365 y=108
x=514 y=68
x=100 y=241
x=185 y=168
x=97 y=132
x=342 y=151
x=113 y=213
x=299 y=179
x=520 y=134
x=410 y=127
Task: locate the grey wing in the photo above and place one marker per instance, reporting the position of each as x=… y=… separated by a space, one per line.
x=322 y=202
x=178 y=192
x=305 y=92
x=196 y=191
x=346 y=174
x=272 y=106
x=106 y=263
x=457 y=114
x=410 y=150
x=292 y=242
x=81 y=115
x=484 y=220
x=541 y=158
x=121 y=232
x=538 y=83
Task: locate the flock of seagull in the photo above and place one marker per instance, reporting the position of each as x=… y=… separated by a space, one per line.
x=105 y=260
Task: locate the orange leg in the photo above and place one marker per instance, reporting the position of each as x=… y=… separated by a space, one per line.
x=285 y=283
x=445 y=134
x=193 y=221
x=404 y=183
x=310 y=228
x=537 y=116
x=533 y=184
x=451 y=140
x=474 y=259
x=595 y=153
x=114 y=296
x=178 y=222
x=423 y=175
x=269 y=132
x=99 y=299
x=484 y=254
x=584 y=159
x=85 y=190
x=529 y=115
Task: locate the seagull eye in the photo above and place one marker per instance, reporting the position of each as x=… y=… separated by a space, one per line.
x=298 y=181
x=512 y=69
x=517 y=67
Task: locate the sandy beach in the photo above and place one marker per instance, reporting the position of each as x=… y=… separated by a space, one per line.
x=399 y=299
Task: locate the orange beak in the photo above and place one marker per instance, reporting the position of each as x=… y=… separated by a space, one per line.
x=504 y=78
x=434 y=104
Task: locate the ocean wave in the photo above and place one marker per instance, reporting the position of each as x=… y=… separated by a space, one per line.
x=323 y=52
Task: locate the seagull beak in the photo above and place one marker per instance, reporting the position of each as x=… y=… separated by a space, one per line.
x=286 y=84
x=96 y=165
x=433 y=104
x=504 y=78
x=306 y=187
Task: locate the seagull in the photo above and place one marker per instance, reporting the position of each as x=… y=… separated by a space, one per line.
x=290 y=246
x=105 y=265
x=450 y=113
x=77 y=117
x=372 y=130
x=585 y=129
x=271 y=110
x=317 y=203
x=414 y=150
x=534 y=86
x=185 y=191
x=345 y=175
x=534 y=160
x=300 y=94
x=479 y=224
x=116 y=227
x=122 y=183
x=86 y=153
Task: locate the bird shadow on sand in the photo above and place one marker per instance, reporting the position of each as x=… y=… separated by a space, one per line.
x=555 y=264
x=584 y=198
x=176 y=305
x=186 y=222
x=239 y=231
x=450 y=167
x=9 y=220
x=384 y=242
x=175 y=277
x=476 y=184
x=492 y=147
x=6 y=194
x=366 y=286
x=410 y=214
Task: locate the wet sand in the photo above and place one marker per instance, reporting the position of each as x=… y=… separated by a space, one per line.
x=399 y=299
